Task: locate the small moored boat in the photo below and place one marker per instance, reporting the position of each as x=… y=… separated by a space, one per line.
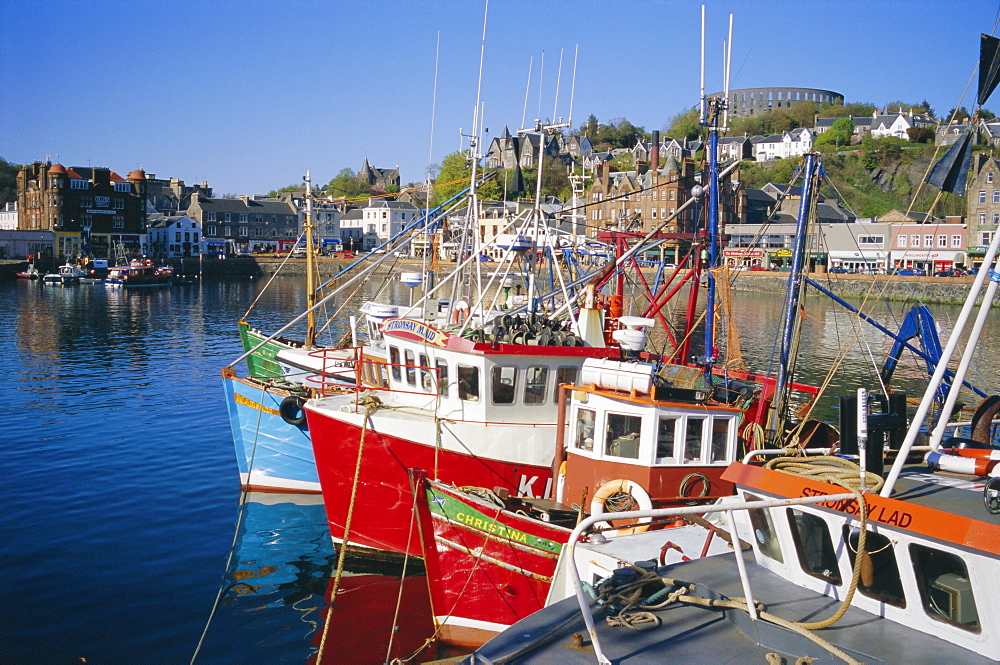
x=139 y=273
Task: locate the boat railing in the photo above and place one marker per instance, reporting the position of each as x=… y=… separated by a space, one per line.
x=359 y=363
x=728 y=508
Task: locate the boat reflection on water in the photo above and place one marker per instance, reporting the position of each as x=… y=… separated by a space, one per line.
x=276 y=593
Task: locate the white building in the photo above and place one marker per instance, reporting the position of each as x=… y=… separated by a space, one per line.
x=173 y=237
x=8 y=217
x=781 y=146
x=387 y=218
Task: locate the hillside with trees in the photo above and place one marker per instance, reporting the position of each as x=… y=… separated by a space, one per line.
x=8 y=181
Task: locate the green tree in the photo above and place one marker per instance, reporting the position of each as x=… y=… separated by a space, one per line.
x=920 y=134
x=273 y=194
x=623 y=161
x=346 y=183
x=839 y=134
x=8 y=181
x=452 y=177
x=684 y=126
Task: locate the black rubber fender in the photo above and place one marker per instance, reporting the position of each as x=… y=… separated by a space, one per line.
x=291 y=410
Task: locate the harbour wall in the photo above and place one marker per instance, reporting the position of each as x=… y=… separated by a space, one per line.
x=927 y=290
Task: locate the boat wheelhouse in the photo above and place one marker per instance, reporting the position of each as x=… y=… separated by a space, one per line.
x=469 y=412
x=67 y=274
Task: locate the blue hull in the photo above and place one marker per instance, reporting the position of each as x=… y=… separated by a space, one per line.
x=271 y=453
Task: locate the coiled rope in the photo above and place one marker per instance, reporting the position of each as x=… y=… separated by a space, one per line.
x=636 y=610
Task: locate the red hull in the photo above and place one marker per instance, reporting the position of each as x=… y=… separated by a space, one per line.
x=488 y=568
x=383 y=516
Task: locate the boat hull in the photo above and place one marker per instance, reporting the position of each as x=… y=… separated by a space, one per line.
x=272 y=454
x=381 y=506
x=488 y=568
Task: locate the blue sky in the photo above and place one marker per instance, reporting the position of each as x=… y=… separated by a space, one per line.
x=249 y=95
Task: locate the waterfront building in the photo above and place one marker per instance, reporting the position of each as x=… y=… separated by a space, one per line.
x=92 y=210
x=387 y=218
x=173 y=236
x=246 y=224
x=170 y=196
x=983 y=197
x=930 y=246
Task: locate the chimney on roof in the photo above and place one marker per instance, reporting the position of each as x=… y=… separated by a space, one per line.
x=654 y=151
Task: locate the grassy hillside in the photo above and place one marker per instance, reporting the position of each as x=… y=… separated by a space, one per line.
x=870 y=179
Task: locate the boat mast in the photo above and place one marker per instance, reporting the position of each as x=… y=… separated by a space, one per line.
x=790 y=325
x=310 y=278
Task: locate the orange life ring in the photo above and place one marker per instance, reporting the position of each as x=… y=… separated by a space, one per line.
x=635 y=492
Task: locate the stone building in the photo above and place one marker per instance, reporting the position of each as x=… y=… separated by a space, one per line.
x=745 y=102
x=246 y=224
x=92 y=210
x=984 y=206
x=380 y=180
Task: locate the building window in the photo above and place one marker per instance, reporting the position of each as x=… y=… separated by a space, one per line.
x=229 y=217
x=986 y=237
x=78 y=183
x=209 y=216
x=928 y=241
x=177 y=236
x=243 y=218
x=982 y=197
x=901 y=241
x=996 y=218
x=982 y=218
x=211 y=230
x=227 y=231
x=243 y=232
x=996 y=196
x=118 y=204
x=989 y=174
x=86 y=202
x=118 y=222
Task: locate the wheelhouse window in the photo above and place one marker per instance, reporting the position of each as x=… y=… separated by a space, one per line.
x=692 y=439
x=442 y=373
x=945 y=587
x=468 y=383
x=623 y=435
x=397 y=374
x=425 y=374
x=411 y=371
x=763 y=531
x=885 y=584
x=535 y=380
x=814 y=546
x=564 y=375
x=719 y=451
x=666 y=443
x=585 y=422
x=503 y=384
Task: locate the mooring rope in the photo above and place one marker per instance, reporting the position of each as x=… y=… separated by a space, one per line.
x=371 y=403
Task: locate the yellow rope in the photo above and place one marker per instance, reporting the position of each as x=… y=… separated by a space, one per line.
x=371 y=403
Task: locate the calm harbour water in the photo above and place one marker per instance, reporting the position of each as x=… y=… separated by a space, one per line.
x=120 y=495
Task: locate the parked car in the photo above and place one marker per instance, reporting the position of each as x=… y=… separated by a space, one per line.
x=949 y=273
x=910 y=272
x=758 y=268
x=839 y=270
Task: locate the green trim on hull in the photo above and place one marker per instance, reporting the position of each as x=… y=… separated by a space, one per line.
x=261 y=363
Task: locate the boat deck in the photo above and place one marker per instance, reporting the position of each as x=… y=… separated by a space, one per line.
x=952 y=493
x=694 y=634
